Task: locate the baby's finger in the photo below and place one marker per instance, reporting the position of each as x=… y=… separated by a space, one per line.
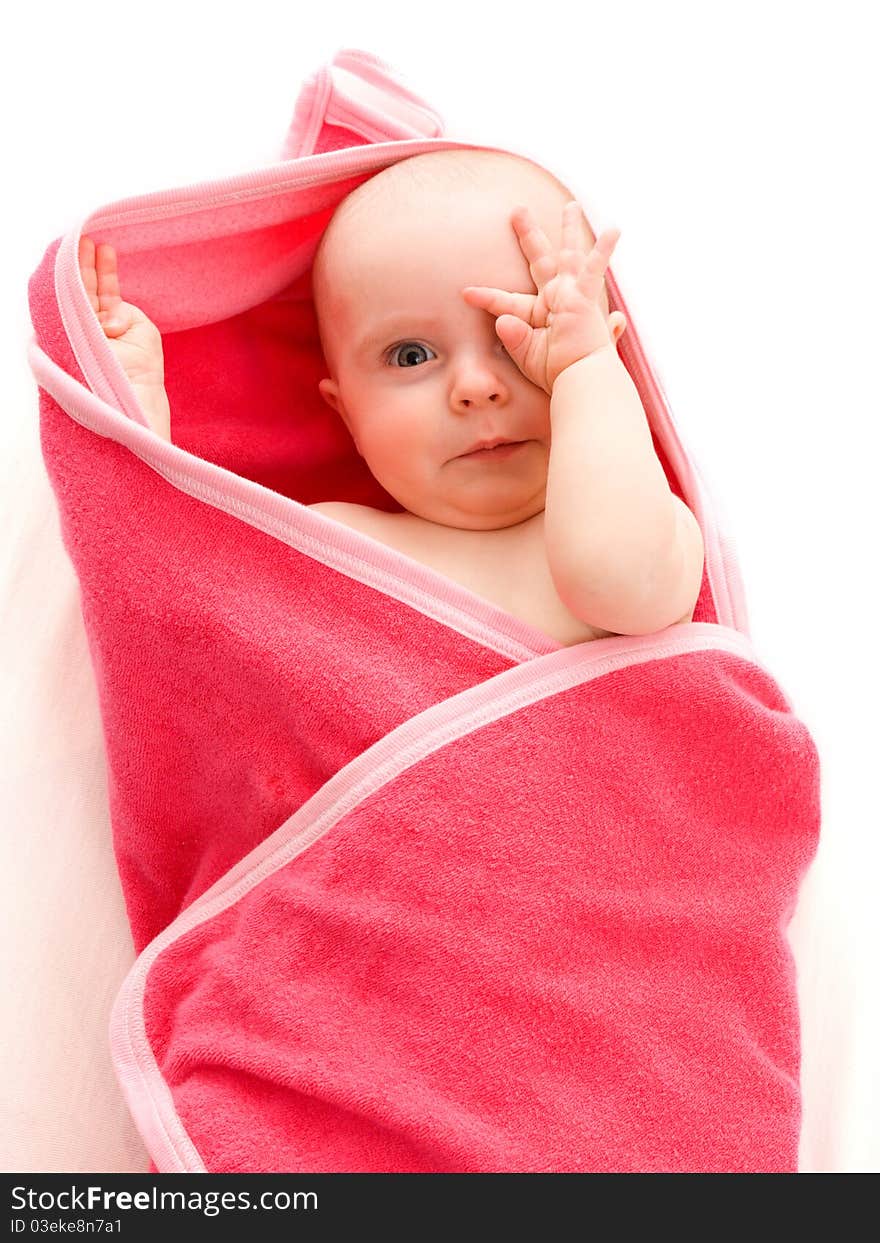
x=109 y=295
x=87 y=269
x=574 y=235
x=590 y=279
x=500 y=301
x=573 y=246
x=116 y=322
x=535 y=245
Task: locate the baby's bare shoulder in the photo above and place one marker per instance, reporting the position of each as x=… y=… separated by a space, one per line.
x=333 y=507
x=376 y=522
x=346 y=511
x=419 y=538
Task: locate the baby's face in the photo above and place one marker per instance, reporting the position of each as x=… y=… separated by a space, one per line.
x=419 y=376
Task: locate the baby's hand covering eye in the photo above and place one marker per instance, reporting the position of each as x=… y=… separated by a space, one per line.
x=410 y=347
x=564 y=322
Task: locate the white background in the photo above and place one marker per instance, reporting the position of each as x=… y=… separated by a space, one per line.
x=736 y=150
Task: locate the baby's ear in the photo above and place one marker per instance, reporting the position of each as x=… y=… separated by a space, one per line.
x=329 y=390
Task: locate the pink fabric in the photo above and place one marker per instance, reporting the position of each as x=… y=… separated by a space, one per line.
x=412 y=886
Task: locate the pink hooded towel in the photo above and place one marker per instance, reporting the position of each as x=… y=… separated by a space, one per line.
x=413 y=887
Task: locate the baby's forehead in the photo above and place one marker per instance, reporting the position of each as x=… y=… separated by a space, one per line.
x=462 y=182
x=464 y=196
x=461 y=172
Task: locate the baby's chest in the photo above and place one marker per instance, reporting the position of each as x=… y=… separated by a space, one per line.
x=508 y=568
x=514 y=574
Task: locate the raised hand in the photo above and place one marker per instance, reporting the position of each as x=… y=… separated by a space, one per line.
x=564 y=322
x=133 y=337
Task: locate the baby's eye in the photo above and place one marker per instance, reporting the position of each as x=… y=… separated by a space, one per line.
x=409 y=352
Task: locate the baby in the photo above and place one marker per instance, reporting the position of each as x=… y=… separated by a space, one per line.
x=473 y=358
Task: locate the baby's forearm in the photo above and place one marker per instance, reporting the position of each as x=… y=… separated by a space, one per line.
x=609 y=520
x=153 y=400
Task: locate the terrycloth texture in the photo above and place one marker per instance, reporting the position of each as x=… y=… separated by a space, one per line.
x=413 y=886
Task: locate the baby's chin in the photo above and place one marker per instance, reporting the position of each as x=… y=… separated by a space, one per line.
x=479 y=510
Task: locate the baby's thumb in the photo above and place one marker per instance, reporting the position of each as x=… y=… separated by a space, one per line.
x=514 y=335
x=617 y=324
x=115 y=322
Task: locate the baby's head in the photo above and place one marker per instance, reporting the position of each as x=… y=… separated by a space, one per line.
x=417 y=374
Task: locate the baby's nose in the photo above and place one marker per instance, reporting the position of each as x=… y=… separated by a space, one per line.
x=476 y=384
x=469 y=401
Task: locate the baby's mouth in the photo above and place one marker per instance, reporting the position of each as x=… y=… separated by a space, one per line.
x=498 y=452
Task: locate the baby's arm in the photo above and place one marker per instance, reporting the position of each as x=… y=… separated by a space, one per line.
x=154 y=403
x=134 y=339
x=624 y=551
